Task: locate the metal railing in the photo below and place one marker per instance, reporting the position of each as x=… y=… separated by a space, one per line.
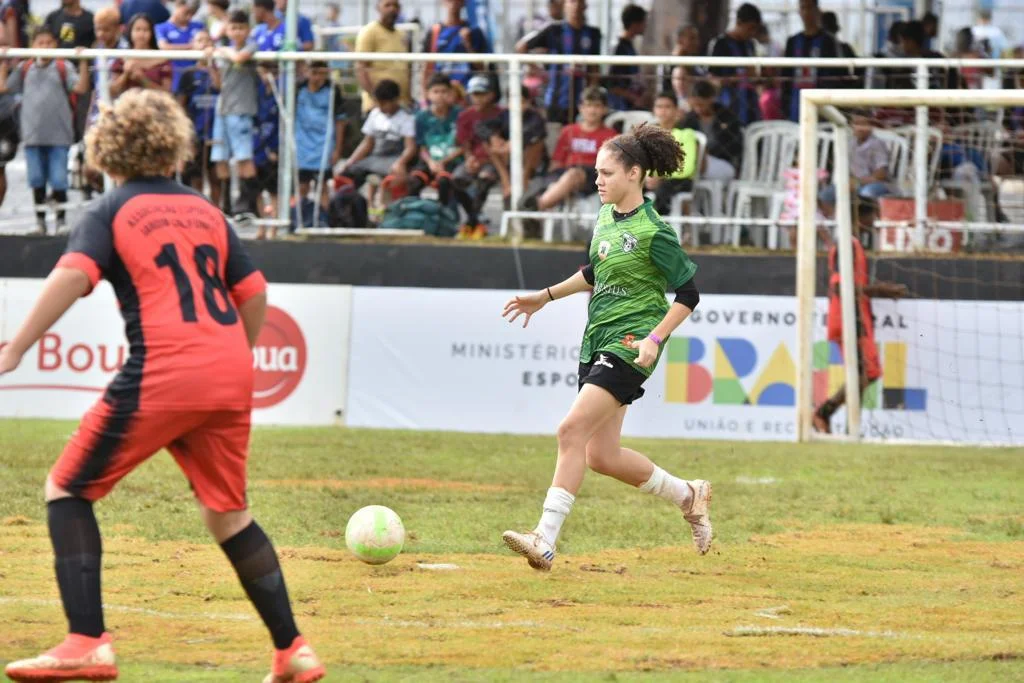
x=514 y=70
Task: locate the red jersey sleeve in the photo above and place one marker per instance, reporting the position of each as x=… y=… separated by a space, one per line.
x=91 y=244
x=561 y=153
x=242 y=277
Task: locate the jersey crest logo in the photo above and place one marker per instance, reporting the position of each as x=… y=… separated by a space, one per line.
x=628 y=242
x=603 y=248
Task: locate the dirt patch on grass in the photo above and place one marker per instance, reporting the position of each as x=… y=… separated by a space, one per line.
x=383 y=483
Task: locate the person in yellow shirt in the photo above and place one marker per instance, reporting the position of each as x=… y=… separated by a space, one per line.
x=382 y=36
x=667 y=112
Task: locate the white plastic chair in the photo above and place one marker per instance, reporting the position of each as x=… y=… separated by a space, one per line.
x=935 y=140
x=770 y=147
x=629 y=119
x=899 y=157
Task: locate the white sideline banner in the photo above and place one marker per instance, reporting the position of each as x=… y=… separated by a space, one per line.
x=445 y=360
x=300 y=358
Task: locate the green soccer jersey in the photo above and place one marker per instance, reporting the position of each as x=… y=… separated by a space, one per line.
x=635 y=261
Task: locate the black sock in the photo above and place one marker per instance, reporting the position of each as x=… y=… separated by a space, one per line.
x=77 y=553
x=39 y=198
x=61 y=197
x=225 y=196
x=257 y=567
x=250 y=194
x=444 y=191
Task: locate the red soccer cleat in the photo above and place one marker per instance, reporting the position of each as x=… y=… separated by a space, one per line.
x=78 y=658
x=297 y=664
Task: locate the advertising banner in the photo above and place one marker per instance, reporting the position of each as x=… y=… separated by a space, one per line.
x=446 y=360
x=299 y=359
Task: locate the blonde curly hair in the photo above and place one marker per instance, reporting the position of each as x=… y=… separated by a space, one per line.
x=144 y=133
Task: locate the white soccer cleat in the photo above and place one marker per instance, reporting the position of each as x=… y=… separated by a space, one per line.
x=531 y=545
x=697 y=514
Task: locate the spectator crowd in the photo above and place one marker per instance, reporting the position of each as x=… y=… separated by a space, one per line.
x=449 y=133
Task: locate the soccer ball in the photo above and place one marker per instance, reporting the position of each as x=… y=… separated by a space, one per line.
x=375 y=534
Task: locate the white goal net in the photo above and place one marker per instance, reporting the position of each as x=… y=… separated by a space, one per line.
x=923 y=274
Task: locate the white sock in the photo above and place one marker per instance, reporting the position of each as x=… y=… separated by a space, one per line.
x=664 y=485
x=557 y=505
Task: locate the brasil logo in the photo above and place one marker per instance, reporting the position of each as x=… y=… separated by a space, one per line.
x=730 y=376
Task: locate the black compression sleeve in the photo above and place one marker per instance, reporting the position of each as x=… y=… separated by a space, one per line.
x=688 y=295
x=588 y=273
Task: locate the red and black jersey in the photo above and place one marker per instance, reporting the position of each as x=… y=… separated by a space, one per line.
x=861 y=279
x=180 y=273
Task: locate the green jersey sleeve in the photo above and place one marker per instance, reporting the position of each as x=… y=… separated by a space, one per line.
x=670 y=259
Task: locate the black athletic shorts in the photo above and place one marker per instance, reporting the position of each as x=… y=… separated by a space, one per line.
x=267 y=177
x=310 y=176
x=615 y=375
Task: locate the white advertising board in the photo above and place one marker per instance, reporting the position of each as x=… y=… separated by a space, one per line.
x=445 y=359
x=300 y=358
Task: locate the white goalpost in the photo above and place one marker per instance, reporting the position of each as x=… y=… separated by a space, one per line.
x=957 y=366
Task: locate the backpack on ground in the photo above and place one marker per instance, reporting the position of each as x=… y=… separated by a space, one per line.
x=413 y=213
x=348 y=209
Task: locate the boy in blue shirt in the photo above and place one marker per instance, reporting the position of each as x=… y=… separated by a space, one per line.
x=319 y=131
x=178 y=34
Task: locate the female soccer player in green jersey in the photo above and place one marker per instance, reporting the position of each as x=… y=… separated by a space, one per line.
x=634 y=258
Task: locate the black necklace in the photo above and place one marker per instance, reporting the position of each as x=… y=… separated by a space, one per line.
x=616 y=216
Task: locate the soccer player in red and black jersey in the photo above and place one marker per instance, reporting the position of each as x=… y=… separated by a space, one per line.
x=193 y=304
x=869 y=368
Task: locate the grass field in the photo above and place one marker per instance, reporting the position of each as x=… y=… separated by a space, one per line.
x=910 y=559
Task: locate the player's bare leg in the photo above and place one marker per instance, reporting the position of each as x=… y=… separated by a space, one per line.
x=572 y=180
x=822 y=418
x=592 y=408
x=255 y=561
x=87 y=653
x=605 y=455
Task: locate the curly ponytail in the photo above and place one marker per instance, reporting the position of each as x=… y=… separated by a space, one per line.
x=650 y=147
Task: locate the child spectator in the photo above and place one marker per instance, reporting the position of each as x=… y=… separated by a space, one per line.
x=439 y=153
x=724 y=151
x=141 y=73
x=569 y=37
x=869 y=159
x=265 y=146
x=269 y=32
x=198 y=97
x=234 y=74
x=217 y=19
x=47 y=120
x=178 y=33
x=573 y=162
x=388 y=148
x=318 y=137
x=627 y=90
x=498 y=132
x=476 y=175
x=664 y=188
